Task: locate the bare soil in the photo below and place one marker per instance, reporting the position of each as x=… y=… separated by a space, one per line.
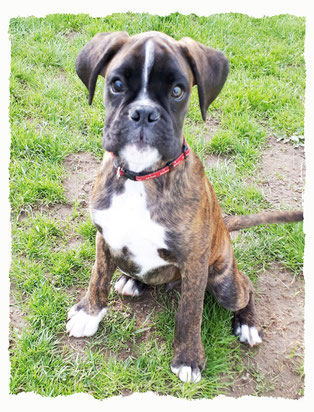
x=282 y=174
x=276 y=367
x=82 y=171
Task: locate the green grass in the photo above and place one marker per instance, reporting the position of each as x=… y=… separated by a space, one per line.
x=50 y=118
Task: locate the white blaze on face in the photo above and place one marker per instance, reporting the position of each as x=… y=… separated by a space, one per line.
x=147 y=68
x=144 y=158
x=149 y=61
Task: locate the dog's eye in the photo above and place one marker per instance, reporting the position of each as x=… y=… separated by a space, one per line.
x=177 y=92
x=117 y=86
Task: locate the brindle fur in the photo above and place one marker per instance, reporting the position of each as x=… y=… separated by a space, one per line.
x=194 y=219
x=199 y=248
x=243 y=222
x=99 y=285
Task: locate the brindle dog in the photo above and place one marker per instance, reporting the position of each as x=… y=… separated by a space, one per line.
x=169 y=228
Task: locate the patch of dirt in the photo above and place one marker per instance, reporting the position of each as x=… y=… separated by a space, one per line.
x=71 y=35
x=142 y=307
x=212 y=160
x=82 y=168
x=212 y=125
x=17 y=317
x=282 y=174
x=58 y=211
x=275 y=369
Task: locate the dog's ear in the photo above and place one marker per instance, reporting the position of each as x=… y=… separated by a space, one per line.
x=95 y=56
x=209 y=67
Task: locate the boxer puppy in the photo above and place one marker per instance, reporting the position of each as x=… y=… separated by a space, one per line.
x=157 y=217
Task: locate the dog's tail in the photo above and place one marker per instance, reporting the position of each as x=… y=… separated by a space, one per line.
x=264 y=218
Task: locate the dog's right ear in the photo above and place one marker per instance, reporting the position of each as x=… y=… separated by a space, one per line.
x=209 y=67
x=95 y=56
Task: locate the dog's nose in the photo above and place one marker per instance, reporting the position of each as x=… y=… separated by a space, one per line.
x=143 y=114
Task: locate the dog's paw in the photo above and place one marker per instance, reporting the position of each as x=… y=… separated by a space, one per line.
x=82 y=324
x=187 y=373
x=248 y=334
x=129 y=287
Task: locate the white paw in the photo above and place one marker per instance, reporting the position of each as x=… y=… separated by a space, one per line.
x=187 y=374
x=126 y=286
x=81 y=324
x=248 y=335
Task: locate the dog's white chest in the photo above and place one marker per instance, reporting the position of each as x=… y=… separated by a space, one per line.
x=127 y=223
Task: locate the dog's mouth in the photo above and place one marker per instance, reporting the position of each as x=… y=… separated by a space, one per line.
x=139 y=156
x=141 y=145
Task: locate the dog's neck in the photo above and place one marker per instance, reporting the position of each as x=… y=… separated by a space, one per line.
x=153 y=174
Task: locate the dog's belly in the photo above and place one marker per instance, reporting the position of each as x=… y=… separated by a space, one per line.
x=133 y=237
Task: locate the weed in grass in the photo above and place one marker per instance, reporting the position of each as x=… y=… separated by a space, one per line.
x=263 y=385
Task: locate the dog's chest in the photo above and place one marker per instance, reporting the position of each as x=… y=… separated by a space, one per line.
x=127 y=225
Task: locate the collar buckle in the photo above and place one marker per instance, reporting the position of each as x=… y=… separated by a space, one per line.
x=118 y=172
x=185 y=149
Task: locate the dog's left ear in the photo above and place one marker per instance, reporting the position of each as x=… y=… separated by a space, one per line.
x=209 y=67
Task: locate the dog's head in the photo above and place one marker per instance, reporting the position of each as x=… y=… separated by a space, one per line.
x=149 y=78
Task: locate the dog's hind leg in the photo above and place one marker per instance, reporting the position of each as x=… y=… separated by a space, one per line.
x=234 y=291
x=84 y=317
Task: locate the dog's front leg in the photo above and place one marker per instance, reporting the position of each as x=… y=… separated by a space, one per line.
x=189 y=354
x=84 y=317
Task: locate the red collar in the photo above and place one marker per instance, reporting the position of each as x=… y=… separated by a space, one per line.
x=151 y=175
